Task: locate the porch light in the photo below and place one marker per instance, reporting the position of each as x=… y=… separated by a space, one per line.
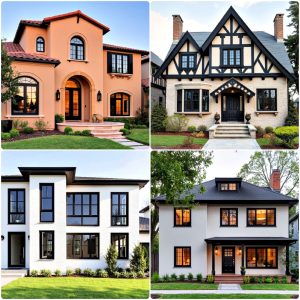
x=216 y=251
x=99 y=96
x=57 y=95
x=240 y=251
x=28 y=237
x=2 y=237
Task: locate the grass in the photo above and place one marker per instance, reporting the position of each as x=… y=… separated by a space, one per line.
x=183 y=286
x=64 y=142
x=172 y=140
x=225 y=296
x=263 y=142
x=76 y=288
x=139 y=135
x=269 y=286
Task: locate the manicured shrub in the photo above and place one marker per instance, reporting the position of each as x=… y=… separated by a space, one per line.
x=140 y=126
x=59 y=118
x=158 y=116
x=287 y=134
x=77 y=271
x=259 y=131
x=125 y=274
x=138 y=261
x=140 y=274
x=268 y=279
x=191 y=129
x=16 y=124
x=199 y=277
x=276 y=141
x=246 y=279
x=190 y=276
x=117 y=274
x=260 y=279
x=128 y=270
x=23 y=124
x=40 y=125
x=57 y=272
x=120 y=269
x=87 y=272
x=181 y=277
x=111 y=259
x=77 y=132
x=14 y=133
x=253 y=279
x=45 y=273
x=85 y=132
x=269 y=129
x=69 y=272
x=210 y=278
x=173 y=277
x=284 y=279
x=155 y=277
x=34 y=273
x=202 y=128
x=276 y=279
x=68 y=130
x=176 y=123
x=125 y=131
x=102 y=274
x=132 y=274
x=200 y=135
x=166 y=278
x=188 y=141
x=293 y=115
x=5 y=136
x=28 y=130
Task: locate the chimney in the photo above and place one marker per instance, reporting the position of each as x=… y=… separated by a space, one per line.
x=275 y=180
x=177 y=27
x=278 y=27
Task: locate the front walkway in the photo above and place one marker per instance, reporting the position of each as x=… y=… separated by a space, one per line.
x=133 y=144
x=216 y=144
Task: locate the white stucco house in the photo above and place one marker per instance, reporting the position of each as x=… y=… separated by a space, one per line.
x=233 y=224
x=52 y=219
x=231 y=71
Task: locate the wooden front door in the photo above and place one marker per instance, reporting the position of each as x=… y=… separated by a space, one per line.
x=16 y=249
x=73 y=100
x=228 y=260
x=232 y=107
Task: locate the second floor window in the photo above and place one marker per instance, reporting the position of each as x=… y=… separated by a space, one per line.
x=119 y=63
x=119 y=209
x=188 y=61
x=261 y=217
x=16 y=206
x=77 y=48
x=46 y=202
x=40 y=44
x=182 y=217
x=229 y=217
x=231 y=57
x=46 y=244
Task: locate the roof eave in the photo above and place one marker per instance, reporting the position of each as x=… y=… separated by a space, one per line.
x=56 y=63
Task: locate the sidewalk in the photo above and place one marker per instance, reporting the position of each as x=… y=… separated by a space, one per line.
x=126 y=142
x=191 y=292
x=214 y=144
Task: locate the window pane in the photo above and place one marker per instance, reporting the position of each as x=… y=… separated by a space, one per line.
x=74 y=221
x=184 y=61
x=17 y=218
x=179 y=257
x=89 y=221
x=272 y=257
x=205 y=100
x=191 y=61
x=266 y=100
x=261 y=257
x=225 y=57
x=178 y=213
x=225 y=220
x=46 y=216
x=186 y=216
x=179 y=101
x=261 y=217
x=251 y=257
x=271 y=217
x=186 y=257
x=233 y=217
x=251 y=217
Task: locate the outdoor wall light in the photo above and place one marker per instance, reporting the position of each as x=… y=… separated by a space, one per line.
x=99 y=96
x=2 y=237
x=28 y=237
x=240 y=251
x=57 y=95
x=216 y=251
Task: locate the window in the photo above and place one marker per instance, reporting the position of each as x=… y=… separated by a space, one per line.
x=26 y=100
x=188 y=61
x=47 y=202
x=83 y=209
x=179 y=100
x=228 y=186
x=46 y=244
x=266 y=99
x=120 y=241
x=259 y=257
x=205 y=100
x=231 y=57
x=16 y=206
x=191 y=100
x=82 y=245
x=119 y=104
x=229 y=216
x=119 y=63
x=182 y=217
x=182 y=256
x=261 y=217
x=77 y=48
x=119 y=209
x=40 y=44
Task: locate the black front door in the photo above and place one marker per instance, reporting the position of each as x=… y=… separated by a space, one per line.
x=73 y=104
x=232 y=107
x=16 y=249
x=228 y=257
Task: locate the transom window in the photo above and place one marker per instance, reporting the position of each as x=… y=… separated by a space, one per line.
x=77 y=48
x=266 y=99
x=231 y=57
x=262 y=258
x=228 y=186
x=46 y=244
x=120 y=241
x=47 y=202
x=119 y=63
x=82 y=245
x=119 y=104
x=182 y=217
x=188 y=61
x=229 y=217
x=182 y=256
x=16 y=206
x=26 y=100
x=119 y=209
x=40 y=44
x=261 y=216
x=83 y=209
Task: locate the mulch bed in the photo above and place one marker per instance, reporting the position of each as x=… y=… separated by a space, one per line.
x=268 y=147
x=182 y=133
x=25 y=136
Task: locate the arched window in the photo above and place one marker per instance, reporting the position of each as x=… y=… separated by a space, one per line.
x=119 y=104
x=40 y=44
x=77 y=48
x=26 y=101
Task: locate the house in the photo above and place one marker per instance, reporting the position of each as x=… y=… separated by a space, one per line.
x=294 y=249
x=231 y=71
x=145 y=228
x=232 y=225
x=53 y=219
x=64 y=67
x=145 y=84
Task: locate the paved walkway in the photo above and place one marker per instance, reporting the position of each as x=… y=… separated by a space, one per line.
x=129 y=143
x=7 y=279
x=229 y=286
x=213 y=144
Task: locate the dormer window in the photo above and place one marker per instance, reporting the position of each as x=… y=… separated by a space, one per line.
x=40 y=44
x=77 y=48
x=228 y=186
x=188 y=61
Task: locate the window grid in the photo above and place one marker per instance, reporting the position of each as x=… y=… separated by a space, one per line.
x=16 y=206
x=40 y=44
x=46 y=244
x=266 y=99
x=120 y=241
x=119 y=209
x=261 y=217
x=182 y=217
x=188 y=61
x=77 y=48
x=231 y=57
x=46 y=202
x=120 y=63
x=182 y=256
x=191 y=100
x=229 y=216
x=262 y=257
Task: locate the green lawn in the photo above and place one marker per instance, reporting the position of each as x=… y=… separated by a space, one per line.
x=76 y=287
x=139 y=135
x=172 y=140
x=267 y=142
x=183 y=286
x=64 y=142
x=226 y=296
x=269 y=286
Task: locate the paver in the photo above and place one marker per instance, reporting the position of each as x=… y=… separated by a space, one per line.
x=214 y=144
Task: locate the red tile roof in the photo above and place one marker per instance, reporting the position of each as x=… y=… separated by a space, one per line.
x=124 y=49
x=32 y=22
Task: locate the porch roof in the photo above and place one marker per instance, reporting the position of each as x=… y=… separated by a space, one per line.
x=250 y=240
x=232 y=83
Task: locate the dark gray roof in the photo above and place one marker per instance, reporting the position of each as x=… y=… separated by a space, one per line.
x=155 y=59
x=294 y=218
x=251 y=240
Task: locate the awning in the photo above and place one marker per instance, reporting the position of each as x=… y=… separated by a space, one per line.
x=250 y=240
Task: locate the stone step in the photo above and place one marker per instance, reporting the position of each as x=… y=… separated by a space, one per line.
x=228 y=135
x=246 y=131
x=14 y=272
x=105 y=131
x=232 y=127
x=101 y=136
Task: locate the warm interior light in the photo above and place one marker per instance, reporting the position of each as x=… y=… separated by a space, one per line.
x=216 y=251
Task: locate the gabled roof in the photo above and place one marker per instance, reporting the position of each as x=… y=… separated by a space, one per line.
x=155 y=59
x=124 y=49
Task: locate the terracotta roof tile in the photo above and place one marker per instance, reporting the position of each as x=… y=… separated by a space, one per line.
x=32 y=22
x=124 y=49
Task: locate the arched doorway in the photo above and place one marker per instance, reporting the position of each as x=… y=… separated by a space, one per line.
x=73 y=100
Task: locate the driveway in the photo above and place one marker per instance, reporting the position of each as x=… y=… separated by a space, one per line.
x=219 y=144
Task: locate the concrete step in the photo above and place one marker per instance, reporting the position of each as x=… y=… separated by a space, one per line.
x=14 y=272
x=236 y=136
x=246 y=131
x=105 y=131
x=232 y=128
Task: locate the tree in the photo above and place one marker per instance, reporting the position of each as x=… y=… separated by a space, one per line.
x=174 y=173
x=138 y=261
x=111 y=259
x=259 y=169
x=9 y=84
x=158 y=116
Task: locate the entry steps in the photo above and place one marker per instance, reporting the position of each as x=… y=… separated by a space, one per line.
x=14 y=272
x=237 y=131
x=232 y=279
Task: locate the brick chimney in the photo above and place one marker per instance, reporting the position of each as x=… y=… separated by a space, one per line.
x=275 y=180
x=177 y=27
x=278 y=27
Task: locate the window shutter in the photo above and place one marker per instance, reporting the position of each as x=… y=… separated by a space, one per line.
x=109 y=62
x=130 y=64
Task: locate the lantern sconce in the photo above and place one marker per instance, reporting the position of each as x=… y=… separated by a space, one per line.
x=240 y=251
x=99 y=96
x=2 y=237
x=216 y=251
x=57 y=95
x=28 y=237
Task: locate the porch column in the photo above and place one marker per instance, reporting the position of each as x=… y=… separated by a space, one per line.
x=287 y=260
x=213 y=271
x=243 y=256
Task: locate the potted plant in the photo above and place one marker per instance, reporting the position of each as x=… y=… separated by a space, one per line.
x=248 y=118
x=243 y=271
x=217 y=118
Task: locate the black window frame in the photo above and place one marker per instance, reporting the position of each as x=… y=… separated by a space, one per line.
x=47 y=210
x=118 y=234
x=203 y=107
x=113 y=67
x=41 y=244
x=179 y=100
x=81 y=234
x=77 y=48
x=175 y=252
x=24 y=86
x=40 y=42
x=227 y=189
x=228 y=213
x=119 y=216
x=193 y=101
x=263 y=208
x=16 y=213
x=113 y=98
x=82 y=216
x=188 y=55
x=235 y=64
x=188 y=224
x=257 y=98
x=256 y=256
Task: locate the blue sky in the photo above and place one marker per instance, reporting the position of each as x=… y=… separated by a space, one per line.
x=128 y=21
